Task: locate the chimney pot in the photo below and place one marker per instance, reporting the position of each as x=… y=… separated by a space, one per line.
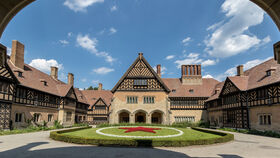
x=159 y=70
x=240 y=70
x=100 y=86
x=54 y=72
x=70 y=79
x=17 y=56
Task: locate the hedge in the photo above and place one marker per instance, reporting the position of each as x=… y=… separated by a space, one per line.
x=58 y=135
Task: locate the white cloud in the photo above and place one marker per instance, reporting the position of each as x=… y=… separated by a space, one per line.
x=70 y=34
x=163 y=70
x=95 y=82
x=84 y=80
x=208 y=76
x=63 y=42
x=229 y=36
x=45 y=65
x=80 y=5
x=112 y=30
x=103 y=70
x=170 y=57
x=9 y=51
x=186 y=41
x=114 y=8
x=193 y=58
x=249 y=64
x=90 y=44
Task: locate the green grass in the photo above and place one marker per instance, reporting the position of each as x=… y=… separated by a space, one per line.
x=189 y=134
x=30 y=129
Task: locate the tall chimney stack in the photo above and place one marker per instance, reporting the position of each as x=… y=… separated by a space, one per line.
x=54 y=72
x=70 y=79
x=159 y=70
x=100 y=86
x=191 y=75
x=240 y=70
x=17 y=56
x=3 y=55
x=276 y=48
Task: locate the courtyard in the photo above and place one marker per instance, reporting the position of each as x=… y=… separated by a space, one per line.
x=40 y=145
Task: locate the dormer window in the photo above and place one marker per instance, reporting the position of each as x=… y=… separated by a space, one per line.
x=19 y=74
x=191 y=90
x=270 y=71
x=173 y=90
x=44 y=82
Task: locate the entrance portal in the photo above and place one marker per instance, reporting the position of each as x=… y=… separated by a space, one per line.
x=156 y=118
x=124 y=117
x=140 y=117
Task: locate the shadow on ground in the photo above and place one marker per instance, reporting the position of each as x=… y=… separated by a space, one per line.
x=93 y=152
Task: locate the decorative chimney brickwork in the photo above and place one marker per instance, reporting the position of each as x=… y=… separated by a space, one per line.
x=159 y=70
x=240 y=71
x=17 y=56
x=54 y=72
x=70 y=79
x=100 y=86
x=191 y=75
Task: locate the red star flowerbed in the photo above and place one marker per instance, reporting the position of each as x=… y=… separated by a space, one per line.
x=135 y=129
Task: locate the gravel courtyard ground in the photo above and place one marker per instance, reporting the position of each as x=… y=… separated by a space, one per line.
x=39 y=145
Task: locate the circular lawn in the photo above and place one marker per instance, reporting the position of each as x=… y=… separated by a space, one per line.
x=141 y=136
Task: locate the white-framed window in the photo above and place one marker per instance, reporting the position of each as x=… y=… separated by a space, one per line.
x=265 y=119
x=50 y=117
x=184 y=119
x=18 y=117
x=148 y=100
x=131 y=99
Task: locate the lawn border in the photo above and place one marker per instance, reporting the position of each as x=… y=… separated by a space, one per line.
x=58 y=135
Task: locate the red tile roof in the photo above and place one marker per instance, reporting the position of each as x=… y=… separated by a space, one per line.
x=181 y=90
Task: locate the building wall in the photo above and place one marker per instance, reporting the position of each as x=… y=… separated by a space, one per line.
x=199 y=115
x=215 y=118
x=69 y=107
x=28 y=114
x=119 y=104
x=273 y=110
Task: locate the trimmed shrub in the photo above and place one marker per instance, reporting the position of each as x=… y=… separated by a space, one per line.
x=58 y=135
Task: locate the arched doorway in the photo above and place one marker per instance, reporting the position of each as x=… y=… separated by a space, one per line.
x=140 y=117
x=156 y=118
x=124 y=117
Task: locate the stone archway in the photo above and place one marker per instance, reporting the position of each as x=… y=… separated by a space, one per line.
x=9 y=8
x=124 y=117
x=157 y=117
x=140 y=117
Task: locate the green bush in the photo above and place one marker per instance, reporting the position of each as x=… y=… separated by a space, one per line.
x=58 y=135
x=253 y=131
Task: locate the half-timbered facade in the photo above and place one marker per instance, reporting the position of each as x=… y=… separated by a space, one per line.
x=248 y=100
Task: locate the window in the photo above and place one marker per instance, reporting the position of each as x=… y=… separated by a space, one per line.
x=4 y=87
x=140 y=82
x=50 y=118
x=36 y=117
x=68 y=116
x=268 y=73
x=265 y=119
x=100 y=118
x=100 y=107
x=149 y=100
x=184 y=119
x=131 y=100
x=18 y=117
x=191 y=90
x=173 y=90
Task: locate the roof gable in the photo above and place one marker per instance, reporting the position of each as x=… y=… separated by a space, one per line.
x=71 y=94
x=140 y=69
x=229 y=87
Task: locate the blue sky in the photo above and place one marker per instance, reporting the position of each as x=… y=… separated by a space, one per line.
x=97 y=40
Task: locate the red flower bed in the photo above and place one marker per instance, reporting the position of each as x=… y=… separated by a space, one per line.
x=144 y=129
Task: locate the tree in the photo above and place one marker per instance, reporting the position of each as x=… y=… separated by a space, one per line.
x=91 y=88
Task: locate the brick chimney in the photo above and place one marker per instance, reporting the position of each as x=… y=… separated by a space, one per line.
x=140 y=55
x=54 y=72
x=240 y=71
x=159 y=70
x=3 y=55
x=17 y=56
x=70 y=79
x=100 y=86
x=276 y=48
x=191 y=75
